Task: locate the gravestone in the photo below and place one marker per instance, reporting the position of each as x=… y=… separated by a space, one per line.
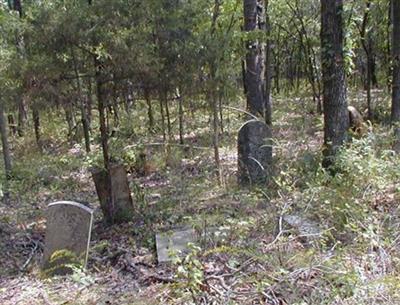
x=112 y=188
x=174 y=242
x=254 y=153
x=308 y=230
x=68 y=231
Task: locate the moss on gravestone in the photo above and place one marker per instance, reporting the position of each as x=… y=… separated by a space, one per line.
x=62 y=262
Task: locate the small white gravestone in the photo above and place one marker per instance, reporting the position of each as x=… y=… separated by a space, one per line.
x=68 y=231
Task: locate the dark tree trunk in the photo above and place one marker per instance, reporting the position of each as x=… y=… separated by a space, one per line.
x=334 y=85
x=220 y=110
x=395 y=115
x=36 y=124
x=101 y=104
x=17 y=6
x=89 y=103
x=268 y=70
x=258 y=84
x=180 y=116
x=167 y=114
x=22 y=117
x=84 y=119
x=254 y=19
x=5 y=143
x=162 y=117
x=149 y=109
x=389 y=47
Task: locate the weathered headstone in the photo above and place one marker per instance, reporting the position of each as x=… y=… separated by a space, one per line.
x=254 y=152
x=308 y=230
x=174 y=242
x=68 y=231
x=114 y=194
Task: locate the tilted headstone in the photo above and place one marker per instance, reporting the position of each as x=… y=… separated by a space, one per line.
x=114 y=194
x=68 y=231
x=254 y=152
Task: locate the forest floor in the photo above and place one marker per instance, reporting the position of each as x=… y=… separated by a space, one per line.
x=261 y=259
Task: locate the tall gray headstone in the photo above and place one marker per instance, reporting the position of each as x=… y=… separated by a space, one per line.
x=68 y=231
x=254 y=152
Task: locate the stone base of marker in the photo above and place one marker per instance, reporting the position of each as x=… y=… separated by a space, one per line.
x=254 y=153
x=68 y=230
x=114 y=194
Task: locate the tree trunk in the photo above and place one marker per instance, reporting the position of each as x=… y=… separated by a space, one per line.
x=254 y=19
x=36 y=124
x=214 y=107
x=84 y=119
x=395 y=115
x=89 y=103
x=268 y=70
x=180 y=114
x=5 y=143
x=220 y=110
x=101 y=104
x=389 y=47
x=162 y=117
x=149 y=109
x=336 y=116
x=169 y=128
x=22 y=117
x=258 y=84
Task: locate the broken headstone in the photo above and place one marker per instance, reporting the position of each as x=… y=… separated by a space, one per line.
x=114 y=194
x=67 y=239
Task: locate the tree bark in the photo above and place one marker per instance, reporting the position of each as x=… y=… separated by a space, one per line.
x=5 y=143
x=84 y=119
x=180 y=117
x=162 y=117
x=336 y=116
x=254 y=19
x=149 y=109
x=36 y=125
x=395 y=113
x=101 y=104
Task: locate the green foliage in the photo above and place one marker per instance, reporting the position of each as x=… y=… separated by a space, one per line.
x=190 y=272
x=62 y=262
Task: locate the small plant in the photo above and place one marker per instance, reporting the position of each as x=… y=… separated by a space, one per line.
x=61 y=262
x=190 y=272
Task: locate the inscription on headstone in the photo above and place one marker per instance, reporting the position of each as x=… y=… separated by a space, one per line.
x=68 y=231
x=254 y=152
